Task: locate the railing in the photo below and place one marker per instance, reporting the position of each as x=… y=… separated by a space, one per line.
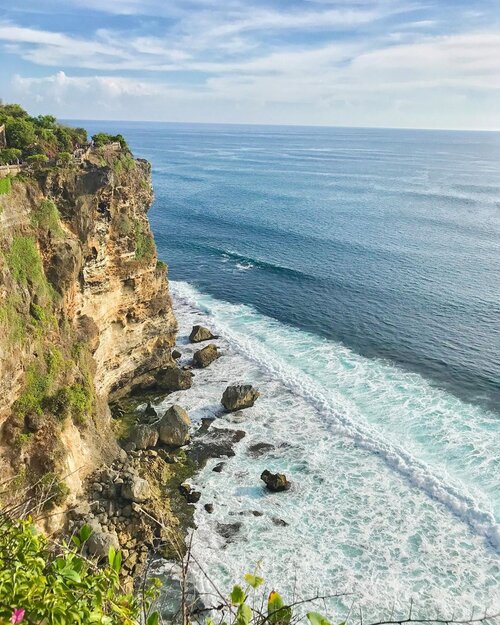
x=8 y=170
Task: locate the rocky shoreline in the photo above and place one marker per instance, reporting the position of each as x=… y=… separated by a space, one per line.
x=142 y=503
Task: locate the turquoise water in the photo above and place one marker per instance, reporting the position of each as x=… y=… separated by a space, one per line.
x=354 y=276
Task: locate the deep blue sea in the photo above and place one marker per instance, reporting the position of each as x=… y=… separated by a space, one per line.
x=354 y=276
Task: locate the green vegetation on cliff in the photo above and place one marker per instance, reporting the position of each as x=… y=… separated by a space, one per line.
x=40 y=136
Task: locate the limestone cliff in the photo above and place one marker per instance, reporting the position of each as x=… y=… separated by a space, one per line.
x=84 y=314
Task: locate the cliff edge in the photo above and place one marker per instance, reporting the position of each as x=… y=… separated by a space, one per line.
x=85 y=314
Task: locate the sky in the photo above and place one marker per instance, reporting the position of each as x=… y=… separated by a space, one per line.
x=380 y=63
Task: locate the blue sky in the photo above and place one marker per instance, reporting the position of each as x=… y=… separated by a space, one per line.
x=390 y=63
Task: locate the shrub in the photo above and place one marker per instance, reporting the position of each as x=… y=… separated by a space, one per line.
x=51 y=491
x=144 y=242
x=9 y=156
x=71 y=401
x=20 y=133
x=37 y=160
x=25 y=264
x=47 y=217
x=59 y=586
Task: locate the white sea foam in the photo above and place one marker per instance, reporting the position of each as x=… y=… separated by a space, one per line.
x=374 y=508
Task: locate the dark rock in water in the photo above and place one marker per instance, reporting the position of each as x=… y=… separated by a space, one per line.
x=200 y=333
x=206 y=422
x=228 y=530
x=173 y=379
x=218 y=467
x=216 y=443
x=279 y=522
x=174 y=427
x=176 y=354
x=150 y=411
x=209 y=507
x=275 y=482
x=239 y=396
x=144 y=436
x=255 y=513
x=207 y=355
x=192 y=496
x=259 y=449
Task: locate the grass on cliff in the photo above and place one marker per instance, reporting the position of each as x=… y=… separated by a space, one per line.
x=144 y=242
x=5 y=185
x=46 y=217
x=25 y=264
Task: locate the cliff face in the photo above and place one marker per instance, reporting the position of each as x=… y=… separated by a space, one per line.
x=85 y=314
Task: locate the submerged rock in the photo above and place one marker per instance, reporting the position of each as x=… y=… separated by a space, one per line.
x=144 y=436
x=176 y=354
x=200 y=333
x=275 y=482
x=209 y=507
x=216 y=443
x=239 y=396
x=259 y=449
x=205 y=356
x=218 y=467
x=228 y=530
x=173 y=379
x=174 y=427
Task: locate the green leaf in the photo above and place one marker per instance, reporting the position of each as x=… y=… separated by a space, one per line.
x=71 y=574
x=153 y=619
x=111 y=556
x=253 y=580
x=315 y=618
x=237 y=595
x=117 y=561
x=85 y=533
x=243 y=615
x=278 y=613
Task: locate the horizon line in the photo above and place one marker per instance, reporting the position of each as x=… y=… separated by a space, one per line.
x=352 y=127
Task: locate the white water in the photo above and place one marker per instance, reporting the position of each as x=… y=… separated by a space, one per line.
x=394 y=481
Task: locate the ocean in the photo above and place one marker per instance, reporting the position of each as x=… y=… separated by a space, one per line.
x=353 y=275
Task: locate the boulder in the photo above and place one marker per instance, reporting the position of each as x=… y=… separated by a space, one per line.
x=176 y=354
x=173 y=379
x=150 y=410
x=192 y=496
x=136 y=489
x=100 y=541
x=209 y=507
x=239 y=397
x=275 y=482
x=216 y=443
x=144 y=436
x=218 y=467
x=174 y=427
x=199 y=334
x=207 y=355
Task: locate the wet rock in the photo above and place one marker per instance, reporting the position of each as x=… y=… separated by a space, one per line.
x=192 y=496
x=216 y=443
x=174 y=427
x=199 y=334
x=228 y=530
x=136 y=489
x=150 y=411
x=100 y=541
x=173 y=379
x=144 y=436
x=209 y=507
x=176 y=354
x=279 y=522
x=275 y=482
x=207 y=355
x=218 y=467
x=259 y=449
x=239 y=396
